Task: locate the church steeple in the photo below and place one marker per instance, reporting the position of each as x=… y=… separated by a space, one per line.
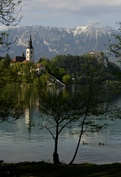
x=30 y=51
x=30 y=43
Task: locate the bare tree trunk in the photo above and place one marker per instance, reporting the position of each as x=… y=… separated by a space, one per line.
x=77 y=147
x=56 y=158
x=55 y=154
x=79 y=140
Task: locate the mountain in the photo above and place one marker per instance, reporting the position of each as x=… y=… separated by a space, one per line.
x=51 y=41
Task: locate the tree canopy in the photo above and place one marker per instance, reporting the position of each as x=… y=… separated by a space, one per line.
x=68 y=68
x=9 y=15
x=116 y=47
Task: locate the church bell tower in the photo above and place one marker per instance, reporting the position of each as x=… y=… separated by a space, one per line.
x=30 y=51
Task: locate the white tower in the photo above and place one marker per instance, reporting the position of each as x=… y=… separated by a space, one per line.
x=30 y=51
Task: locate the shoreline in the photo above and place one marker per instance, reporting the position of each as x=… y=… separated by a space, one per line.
x=43 y=169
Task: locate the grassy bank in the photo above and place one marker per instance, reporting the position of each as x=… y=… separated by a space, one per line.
x=41 y=169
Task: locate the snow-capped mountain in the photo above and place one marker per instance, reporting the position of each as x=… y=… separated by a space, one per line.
x=51 y=41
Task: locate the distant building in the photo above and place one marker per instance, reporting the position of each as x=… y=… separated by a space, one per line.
x=100 y=56
x=29 y=54
x=40 y=67
x=18 y=59
x=30 y=51
x=29 y=57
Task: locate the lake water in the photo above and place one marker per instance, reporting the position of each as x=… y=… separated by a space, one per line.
x=22 y=142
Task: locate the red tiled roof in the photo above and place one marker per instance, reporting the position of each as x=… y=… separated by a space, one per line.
x=25 y=61
x=39 y=64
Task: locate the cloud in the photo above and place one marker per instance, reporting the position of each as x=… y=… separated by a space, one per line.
x=73 y=6
x=97 y=11
x=47 y=11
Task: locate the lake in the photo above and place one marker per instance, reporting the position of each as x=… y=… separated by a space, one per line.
x=22 y=142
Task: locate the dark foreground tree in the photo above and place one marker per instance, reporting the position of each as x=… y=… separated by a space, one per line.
x=89 y=121
x=9 y=12
x=60 y=112
x=63 y=110
x=115 y=48
x=9 y=15
x=92 y=94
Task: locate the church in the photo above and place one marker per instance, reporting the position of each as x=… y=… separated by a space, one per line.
x=29 y=54
x=29 y=57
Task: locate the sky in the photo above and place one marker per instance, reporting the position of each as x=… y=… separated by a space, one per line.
x=70 y=13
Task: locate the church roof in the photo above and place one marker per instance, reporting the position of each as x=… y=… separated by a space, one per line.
x=30 y=43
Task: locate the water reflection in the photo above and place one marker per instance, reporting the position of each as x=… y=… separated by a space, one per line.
x=24 y=142
x=27 y=116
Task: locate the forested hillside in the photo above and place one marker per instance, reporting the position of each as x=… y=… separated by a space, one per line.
x=79 y=67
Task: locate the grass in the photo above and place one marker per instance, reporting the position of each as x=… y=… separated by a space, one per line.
x=41 y=169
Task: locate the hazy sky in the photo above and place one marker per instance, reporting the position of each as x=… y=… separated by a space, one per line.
x=70 y=13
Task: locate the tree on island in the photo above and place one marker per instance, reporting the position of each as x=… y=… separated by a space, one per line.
x=9 y=15
x=10 y=109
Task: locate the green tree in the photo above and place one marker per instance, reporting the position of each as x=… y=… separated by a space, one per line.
x=8 y=74
x=72 y=65
x=116 y=47
x=66 y=79
x=26 y=72
x=10 y=108
x=43 y=79
x=8 y=16
x=7 y=56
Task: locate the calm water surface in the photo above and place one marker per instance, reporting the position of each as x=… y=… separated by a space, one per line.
x=22 y=142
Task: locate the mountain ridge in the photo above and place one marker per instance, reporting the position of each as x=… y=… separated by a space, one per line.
x=51 y=41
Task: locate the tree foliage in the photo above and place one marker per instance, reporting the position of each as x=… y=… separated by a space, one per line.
x=62 y=110
x=10 y=108
x=9 y=15
x=116 y=47
x=77 y=66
